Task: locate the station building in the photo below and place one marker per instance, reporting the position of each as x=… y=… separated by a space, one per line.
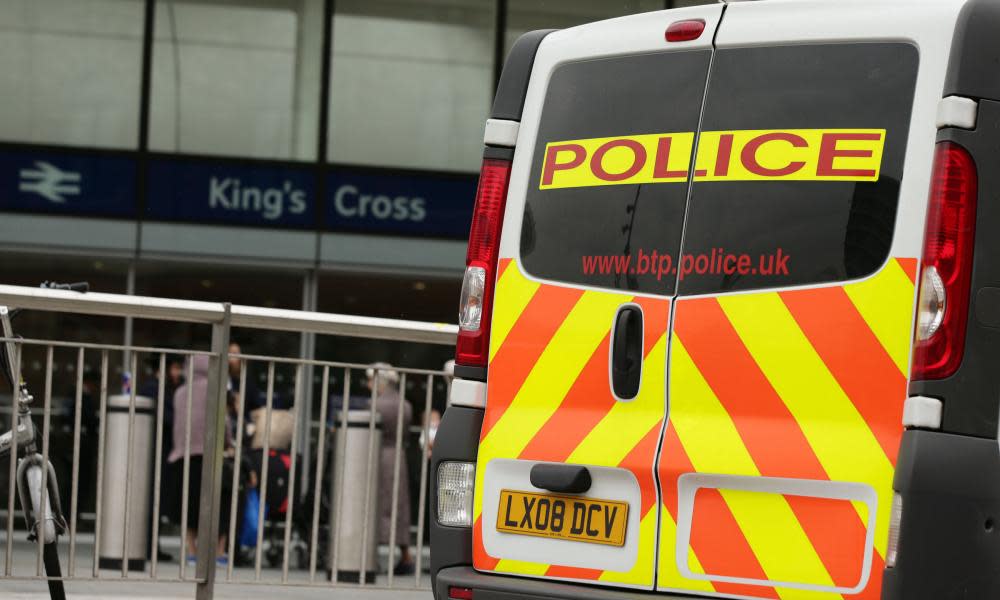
x=302 y=154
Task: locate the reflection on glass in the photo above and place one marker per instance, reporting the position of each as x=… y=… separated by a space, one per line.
x=237 y=78
x=411 y=82
x=70 y=71
x=527 y=15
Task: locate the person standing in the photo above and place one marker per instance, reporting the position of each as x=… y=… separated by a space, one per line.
x=388 y=402
x=200 y=397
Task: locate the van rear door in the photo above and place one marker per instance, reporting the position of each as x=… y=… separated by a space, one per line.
x=582 y=306
x=791 y=330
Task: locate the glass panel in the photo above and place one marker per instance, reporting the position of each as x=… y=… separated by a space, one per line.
x=527 y=15
x=70 y=71
x=594 y=214
x=411 y=82
x=237 y=78
x=779 y=212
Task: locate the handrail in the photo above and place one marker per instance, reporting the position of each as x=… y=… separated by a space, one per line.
x=255 y=317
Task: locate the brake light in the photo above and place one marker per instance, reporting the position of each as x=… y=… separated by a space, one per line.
x=481 y=259
x=685 y=31
x=943 y=307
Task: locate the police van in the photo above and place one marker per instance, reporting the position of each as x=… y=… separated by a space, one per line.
x=730 y=323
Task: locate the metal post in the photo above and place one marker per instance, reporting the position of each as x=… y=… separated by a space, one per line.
x=211 y=466
x=74 y=485
x=129 y=323
x=307 y=350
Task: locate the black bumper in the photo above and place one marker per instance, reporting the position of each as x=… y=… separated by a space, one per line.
x=949 y=542
x=502 y=587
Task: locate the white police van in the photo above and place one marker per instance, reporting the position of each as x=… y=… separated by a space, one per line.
x=731 y=315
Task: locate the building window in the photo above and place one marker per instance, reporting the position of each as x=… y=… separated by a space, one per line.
x=527 y=15
x=411 y=82
x=237 y=78
x=70 y=71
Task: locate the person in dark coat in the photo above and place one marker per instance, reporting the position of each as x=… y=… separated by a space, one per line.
x=388 y=404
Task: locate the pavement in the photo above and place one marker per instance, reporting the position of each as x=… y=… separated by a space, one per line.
x=112 y=586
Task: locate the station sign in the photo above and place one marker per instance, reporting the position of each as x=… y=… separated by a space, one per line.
x=240 y=193
x=67 y=183
x=231 y=193
x=395 y=203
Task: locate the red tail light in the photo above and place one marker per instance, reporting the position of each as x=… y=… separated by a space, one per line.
x=476 y=304
x=946 y=276
x=459 y=593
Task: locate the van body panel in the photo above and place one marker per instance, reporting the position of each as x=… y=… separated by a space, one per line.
x=789 y=385
x=795 y=386
x=549 y=392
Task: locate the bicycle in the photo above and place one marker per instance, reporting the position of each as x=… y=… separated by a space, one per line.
x=32 y=468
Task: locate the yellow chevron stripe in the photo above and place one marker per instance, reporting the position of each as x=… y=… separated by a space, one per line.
x=713 y=444
x=837 y=433
x=520 y=567
x=885 y=302
x=513 y=292
x=610 y=441
x=642 y=572
x=667 y=575
x=549 y=380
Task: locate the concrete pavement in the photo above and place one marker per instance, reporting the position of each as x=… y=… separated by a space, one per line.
x=139 y=585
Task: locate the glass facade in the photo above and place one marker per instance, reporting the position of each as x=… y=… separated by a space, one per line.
x=238 y=79
x=70 y=72
x=411 y=82
x=409 y=86
x=528 y=15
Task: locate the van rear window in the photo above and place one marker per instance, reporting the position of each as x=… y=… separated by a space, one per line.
x=796 y=168
x=818 y=228
x=587 y=234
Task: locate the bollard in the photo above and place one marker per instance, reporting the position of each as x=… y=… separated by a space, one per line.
x=349 y=495
x=116 y=472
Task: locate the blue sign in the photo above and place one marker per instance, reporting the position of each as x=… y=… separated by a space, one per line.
x=374 y=202
x=231 y=193
x=67 y=183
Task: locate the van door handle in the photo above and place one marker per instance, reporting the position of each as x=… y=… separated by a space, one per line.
x=570 y=479
x=626 y=352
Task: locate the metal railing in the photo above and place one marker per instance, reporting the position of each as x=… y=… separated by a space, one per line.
x=302 y=525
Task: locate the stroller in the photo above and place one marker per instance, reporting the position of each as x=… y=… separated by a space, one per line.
x=276 y=505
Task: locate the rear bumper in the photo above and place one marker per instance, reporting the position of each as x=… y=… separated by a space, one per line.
x=502 y=587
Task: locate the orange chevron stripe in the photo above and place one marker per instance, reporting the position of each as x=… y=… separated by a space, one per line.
x=639 y=461
x=502 y=266
x=590 y=399
x=770 y=433
x=586 y=403
x=733 y=556
x=480 y=559
x=572 y=572
x=856 y=359
x=909 y=266
x=527 y=340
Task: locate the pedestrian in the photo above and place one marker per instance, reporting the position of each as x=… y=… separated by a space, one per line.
x=197 y=388
x=388 y=402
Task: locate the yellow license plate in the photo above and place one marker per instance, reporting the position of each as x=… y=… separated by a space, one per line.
x=563 y=517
